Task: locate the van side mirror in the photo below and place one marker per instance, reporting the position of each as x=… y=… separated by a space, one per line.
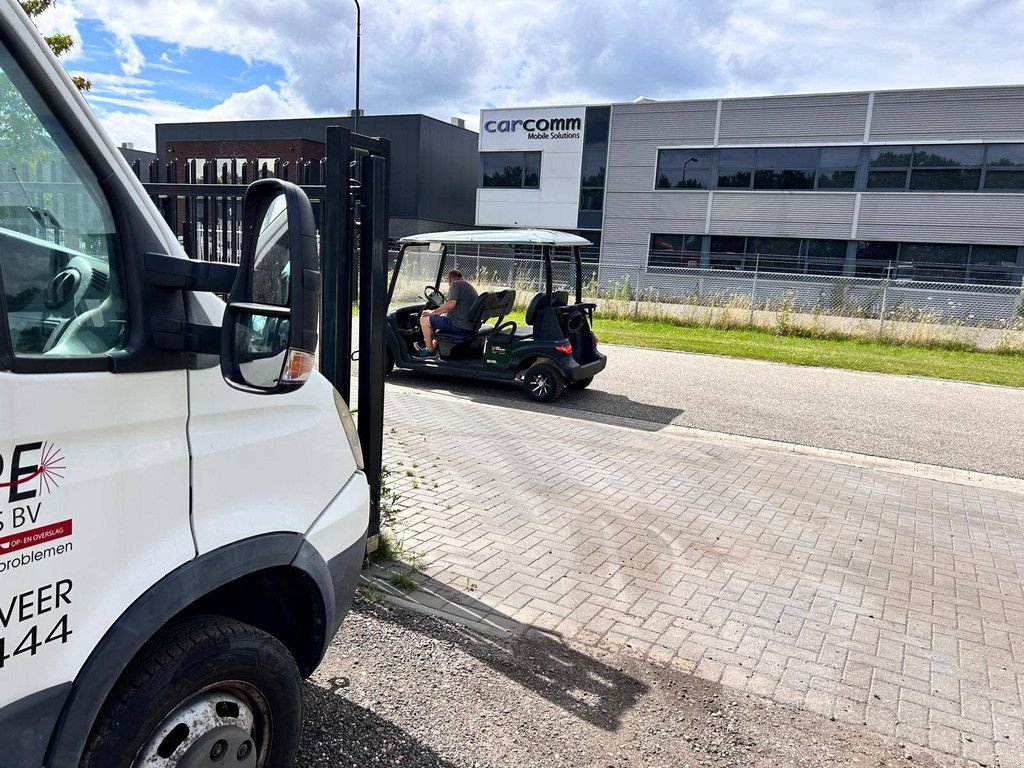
x=270 y=328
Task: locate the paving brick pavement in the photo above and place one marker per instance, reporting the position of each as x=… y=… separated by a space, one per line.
x=862 y=593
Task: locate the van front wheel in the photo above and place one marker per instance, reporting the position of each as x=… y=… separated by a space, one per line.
x=204 y=690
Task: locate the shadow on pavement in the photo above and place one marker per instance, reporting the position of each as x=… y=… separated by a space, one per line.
x=535 y=658
x=588 y=404
x=347 y=734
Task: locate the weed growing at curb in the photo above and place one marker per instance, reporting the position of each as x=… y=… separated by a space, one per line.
x=403 y=580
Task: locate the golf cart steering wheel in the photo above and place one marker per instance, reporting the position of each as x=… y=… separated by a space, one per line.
x=433 y=296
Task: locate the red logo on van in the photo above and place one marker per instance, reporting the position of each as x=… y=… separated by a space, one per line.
x=34 y=537
x=46 y=472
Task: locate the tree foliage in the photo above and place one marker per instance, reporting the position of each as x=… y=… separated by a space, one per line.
x=59 y=43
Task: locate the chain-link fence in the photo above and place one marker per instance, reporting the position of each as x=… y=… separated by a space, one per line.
x=985 y=316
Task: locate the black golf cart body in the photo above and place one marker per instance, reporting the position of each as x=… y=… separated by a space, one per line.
x=555 y=348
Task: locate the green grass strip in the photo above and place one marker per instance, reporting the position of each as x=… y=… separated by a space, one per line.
x=851 y=354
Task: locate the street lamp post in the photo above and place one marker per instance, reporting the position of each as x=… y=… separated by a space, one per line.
x=691 y=160
x=355 y=120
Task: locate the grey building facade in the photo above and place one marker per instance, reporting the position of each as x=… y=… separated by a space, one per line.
x=917 y=184
x=433 y=163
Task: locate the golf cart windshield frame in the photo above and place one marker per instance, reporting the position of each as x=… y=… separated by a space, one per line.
x=546 y=252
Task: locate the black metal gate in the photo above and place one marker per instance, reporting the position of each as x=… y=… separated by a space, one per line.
x=349 y=193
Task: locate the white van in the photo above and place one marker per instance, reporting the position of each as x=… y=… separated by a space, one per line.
x=182 y=508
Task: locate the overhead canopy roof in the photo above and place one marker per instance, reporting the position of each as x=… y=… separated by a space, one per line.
x=499 y=237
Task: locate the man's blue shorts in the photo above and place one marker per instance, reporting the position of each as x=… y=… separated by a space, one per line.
x=444 y=324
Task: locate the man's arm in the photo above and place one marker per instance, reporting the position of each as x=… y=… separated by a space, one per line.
x=444 y=309
x=453 y=297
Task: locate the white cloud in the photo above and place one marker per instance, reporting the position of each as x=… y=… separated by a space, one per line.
x=130 y=117
x=458 y=56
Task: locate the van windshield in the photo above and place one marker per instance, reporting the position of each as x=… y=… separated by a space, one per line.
x=57 y=235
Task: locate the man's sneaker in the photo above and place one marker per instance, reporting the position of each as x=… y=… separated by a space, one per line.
x=422 y=351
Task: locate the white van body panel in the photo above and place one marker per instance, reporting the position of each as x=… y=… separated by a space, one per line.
x=344 y=520
x=117 y=479
x=263 y=463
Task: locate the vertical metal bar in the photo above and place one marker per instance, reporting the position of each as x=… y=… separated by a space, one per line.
x=373 y=234
x=336 y=266
x=636 y=293
x=753 y=288
x=359 y=31
x=546 y=251
x=577 y=252
x=885 y=296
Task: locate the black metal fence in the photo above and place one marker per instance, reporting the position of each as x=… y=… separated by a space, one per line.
x=203 y=203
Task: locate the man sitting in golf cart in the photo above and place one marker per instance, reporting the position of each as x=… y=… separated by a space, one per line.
x=451 y=317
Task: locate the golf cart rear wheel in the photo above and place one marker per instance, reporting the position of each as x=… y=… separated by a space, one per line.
x=582 y=383
x=207 y=691
x=543 y=383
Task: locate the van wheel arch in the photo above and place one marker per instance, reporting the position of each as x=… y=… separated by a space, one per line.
x=213 y=579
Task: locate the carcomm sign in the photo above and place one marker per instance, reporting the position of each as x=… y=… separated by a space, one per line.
x=536 y=125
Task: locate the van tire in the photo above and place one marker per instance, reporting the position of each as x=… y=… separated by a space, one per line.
x=192 y=663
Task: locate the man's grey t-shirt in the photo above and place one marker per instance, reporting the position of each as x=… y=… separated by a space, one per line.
x=464 y=296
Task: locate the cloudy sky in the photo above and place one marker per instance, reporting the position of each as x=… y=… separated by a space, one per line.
x=170 y=60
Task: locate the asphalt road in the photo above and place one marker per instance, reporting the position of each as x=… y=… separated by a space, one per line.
x=403 y=689
x=950 y=424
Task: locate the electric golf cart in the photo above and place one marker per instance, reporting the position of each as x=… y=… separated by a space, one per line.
x=555 y=347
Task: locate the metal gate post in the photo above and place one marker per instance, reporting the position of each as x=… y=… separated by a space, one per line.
x=336 y=266
x=881 y=313
x=373 y=233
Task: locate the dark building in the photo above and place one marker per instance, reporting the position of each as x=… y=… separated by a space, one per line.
x=132 y=154
x=433 y=163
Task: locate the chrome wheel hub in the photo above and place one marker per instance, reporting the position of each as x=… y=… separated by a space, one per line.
x=213 y=728
x=540 y=385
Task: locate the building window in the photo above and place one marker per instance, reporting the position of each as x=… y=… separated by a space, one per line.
x=592 y=179
x=875 y=258
x=778 y=254
x=824 y=257
x=684 y=168
x=837 y=167
x=735 y=168
x=674 y=251
x=993 y=264
x=938 y=262
x=1004 y=168
x=922 y=168
x=592 y=172
x=774 y=254
x=785 y=168
x=933 y=261
x=888 y=167
x=589 y=254
x=947 y=167
x=727 y=252
x=510 y=170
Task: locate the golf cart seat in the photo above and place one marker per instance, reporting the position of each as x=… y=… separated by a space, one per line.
x=487 y=306
x=540 y=301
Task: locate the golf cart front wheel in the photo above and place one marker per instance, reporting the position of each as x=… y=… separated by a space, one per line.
x=543 y=383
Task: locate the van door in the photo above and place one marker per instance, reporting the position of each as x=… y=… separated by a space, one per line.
x=94 y=467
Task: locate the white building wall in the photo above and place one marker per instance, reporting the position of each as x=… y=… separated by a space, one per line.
x=556 y=204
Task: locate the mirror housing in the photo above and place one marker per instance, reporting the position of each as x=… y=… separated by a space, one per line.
x=270 y=329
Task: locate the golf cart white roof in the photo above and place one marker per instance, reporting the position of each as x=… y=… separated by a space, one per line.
x=499 y=237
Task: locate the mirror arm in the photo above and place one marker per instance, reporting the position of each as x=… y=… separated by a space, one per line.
x=187 y=274
x=186 y=337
